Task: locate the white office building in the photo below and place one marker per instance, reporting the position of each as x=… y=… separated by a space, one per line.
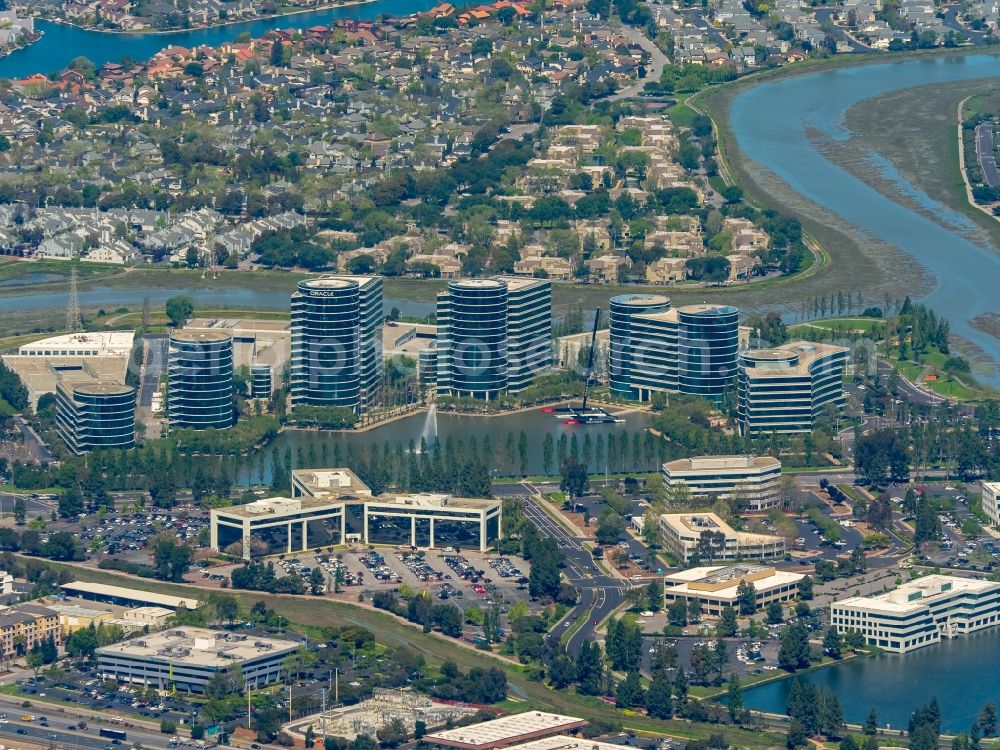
x=920 y=612
x=991 y=501
x=706 y=537
x=755 y=481
x=332 y=506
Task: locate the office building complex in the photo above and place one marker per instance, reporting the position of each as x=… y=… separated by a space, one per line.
x=753 y=481
x=786 y=389
x=716 y=587
x=494 y=336
x=920 y=612
x=185 y=659
x=657 y=348
x=332 y=506
x=200 y=380
x=337 y=342
x=98 y=356
x=990 y=501
x=706 y=537
x=262 y=346
x=90 y=416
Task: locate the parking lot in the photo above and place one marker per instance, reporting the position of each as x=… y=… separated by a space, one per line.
x=466 y=577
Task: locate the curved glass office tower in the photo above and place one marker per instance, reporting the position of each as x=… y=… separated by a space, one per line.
x=656 y=348
x=708 y=344
x=631 y=348
x=472 y=338
x=337 y=341
x=90 y=416
x=200 y=380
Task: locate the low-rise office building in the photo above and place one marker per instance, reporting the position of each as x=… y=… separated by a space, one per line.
x=505 y=731
x=920 y=612
x=785 y=389
x=707 y=538
x=716 y=587
x=753 y=481
x=101 y=356
x=73 y=617
x=991 y=501
x=185 y=659
x=332 y=507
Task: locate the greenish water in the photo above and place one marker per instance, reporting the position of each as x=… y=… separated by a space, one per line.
x=961 y=673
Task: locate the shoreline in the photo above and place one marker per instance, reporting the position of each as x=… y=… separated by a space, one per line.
x=205 y=27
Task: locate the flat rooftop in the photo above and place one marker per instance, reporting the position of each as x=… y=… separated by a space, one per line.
x=713 y=464
x=240 y=326
x=695 y=523
x=199 y=647
x=794 y=359
x=723 y=581
x=517 y=283
x=505 y=731
x=90 y=344
x=565 y=742
x=329 y=483
x=918 y=594
x=86 y=588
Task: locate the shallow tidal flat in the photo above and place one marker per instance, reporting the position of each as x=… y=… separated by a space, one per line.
x=905 y=145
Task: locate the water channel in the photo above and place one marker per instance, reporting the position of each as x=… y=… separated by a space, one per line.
x=61 y=43
x=778 y=124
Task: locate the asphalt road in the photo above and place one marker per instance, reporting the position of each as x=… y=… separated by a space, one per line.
x=59 y=734
x=600 y=594
x=154 y=364
x=984 y=153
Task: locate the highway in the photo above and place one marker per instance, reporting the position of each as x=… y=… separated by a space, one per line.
x=600 y=593
x=58 y=733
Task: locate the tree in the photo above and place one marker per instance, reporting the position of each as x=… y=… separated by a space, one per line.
x=179 y=309
x=746 y=598
x=793 y=653
x=831 y=643
x=728 y=624
x=317 y=581
x=654 y=596
x=988 y=719
x=20 y=510
x=677 y=612
x=806 y=588
x=171 y=559
x=775 y=613
x=574 y=478
x=70 y=503
x=610 y=527
x=870 y=727
x=630 y=693
x=658 y=702
x=734 y=702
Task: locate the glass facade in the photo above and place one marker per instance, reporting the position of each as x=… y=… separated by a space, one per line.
x=627 y=347
x=784 y=390
x=529 y=331
x=261 y=384
x=336 y=341
x=655 y=348
x=200 y=380
x=90 y=416
x=708 y=344
x=472 y=339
